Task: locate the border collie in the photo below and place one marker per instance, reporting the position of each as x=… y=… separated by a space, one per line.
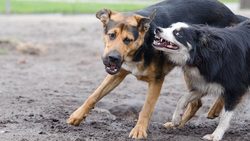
x=216 y=61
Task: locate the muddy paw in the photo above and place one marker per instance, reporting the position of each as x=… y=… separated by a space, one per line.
x=211 y=137
x=212 y=115
x=169 y=125
x=138 y=132
x=74 y=121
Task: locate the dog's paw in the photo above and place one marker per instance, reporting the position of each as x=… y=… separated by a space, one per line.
x=176 y=120
x=211 y=137
x=212 y=115
x=74 y=120
x=169 y=125
x=138 y=132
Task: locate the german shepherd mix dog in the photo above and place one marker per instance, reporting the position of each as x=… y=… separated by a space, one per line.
x=215 y=60
x=128 y=49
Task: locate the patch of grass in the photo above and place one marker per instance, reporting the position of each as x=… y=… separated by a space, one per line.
x=75 y=7
x=227 y=1
x=43 y=6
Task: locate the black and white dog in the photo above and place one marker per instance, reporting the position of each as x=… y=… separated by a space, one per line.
x=215 y=60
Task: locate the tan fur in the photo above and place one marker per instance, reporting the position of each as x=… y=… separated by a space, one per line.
x=109 y=83
x=215 y=110
x=154 y=88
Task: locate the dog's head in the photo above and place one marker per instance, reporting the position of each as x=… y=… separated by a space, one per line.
x=123 y=34
x=179 y=41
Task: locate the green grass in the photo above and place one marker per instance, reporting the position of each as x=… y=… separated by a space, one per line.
x=226 y=1
x=44 y=6
x=22 y=7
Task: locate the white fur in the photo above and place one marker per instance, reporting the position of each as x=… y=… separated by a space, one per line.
x=221 y=128
x=201 y=87
x=181 y=55
x=200 y=84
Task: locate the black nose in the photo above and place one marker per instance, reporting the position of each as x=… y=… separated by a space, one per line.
x=158 y=30
x=114 y=57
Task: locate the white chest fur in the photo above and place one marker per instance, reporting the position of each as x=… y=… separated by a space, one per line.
x=199 y=83
x=133 y=67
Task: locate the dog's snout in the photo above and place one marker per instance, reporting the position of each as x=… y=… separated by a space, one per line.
x=114 y=57
x=158 y=30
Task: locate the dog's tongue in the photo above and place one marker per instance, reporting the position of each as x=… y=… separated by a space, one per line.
x=112 y=66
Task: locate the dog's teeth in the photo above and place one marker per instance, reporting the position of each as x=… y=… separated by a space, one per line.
x=161 y=40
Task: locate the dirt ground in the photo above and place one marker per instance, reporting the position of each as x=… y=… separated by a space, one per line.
x=39 y=92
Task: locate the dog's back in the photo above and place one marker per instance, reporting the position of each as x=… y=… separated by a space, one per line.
x=210 y=12
x=227 y=51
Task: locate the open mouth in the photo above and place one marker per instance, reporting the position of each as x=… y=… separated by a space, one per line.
x=112 y=68
x=162 y=43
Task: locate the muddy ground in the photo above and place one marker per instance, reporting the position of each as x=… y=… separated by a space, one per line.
x=39 y=92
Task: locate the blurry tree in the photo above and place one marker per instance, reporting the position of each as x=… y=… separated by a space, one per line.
x=244 y=4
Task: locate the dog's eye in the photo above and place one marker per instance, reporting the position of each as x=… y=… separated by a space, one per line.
x=111 y=36
x=178 y=34
x=127 y=41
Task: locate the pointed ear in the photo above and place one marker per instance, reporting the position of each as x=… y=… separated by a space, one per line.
x=202 y=38
x=144 y=22
x=104 y=15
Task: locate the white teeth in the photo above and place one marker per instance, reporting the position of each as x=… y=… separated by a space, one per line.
x=161 y=40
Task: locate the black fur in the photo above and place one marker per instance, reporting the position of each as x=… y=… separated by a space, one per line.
x=209 y=12
x=224 y=55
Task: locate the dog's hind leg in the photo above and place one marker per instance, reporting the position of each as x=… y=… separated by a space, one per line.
x=215 y=110
x=230 y=107
x=140 y=130
x=109 y=83
x=222 y=127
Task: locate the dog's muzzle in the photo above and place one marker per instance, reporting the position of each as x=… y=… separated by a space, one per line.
x=112 y=62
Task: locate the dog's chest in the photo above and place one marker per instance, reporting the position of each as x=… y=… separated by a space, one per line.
x=197 y=82
x=135 y=68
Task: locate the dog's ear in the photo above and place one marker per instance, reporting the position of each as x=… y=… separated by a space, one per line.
x=104 y=15
x=144 y=22
x=202 y=38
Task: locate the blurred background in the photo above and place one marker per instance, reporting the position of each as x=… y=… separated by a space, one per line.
x=83 y=6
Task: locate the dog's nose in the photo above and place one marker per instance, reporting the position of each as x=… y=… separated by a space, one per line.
x=114 y=57
x=158 y=30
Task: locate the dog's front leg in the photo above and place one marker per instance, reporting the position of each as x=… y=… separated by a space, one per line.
x=140 y=130
x=109 y=83
x=182 y=103
x=215 y=110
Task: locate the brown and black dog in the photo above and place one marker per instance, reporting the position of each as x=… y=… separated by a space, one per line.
x=128 y=41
